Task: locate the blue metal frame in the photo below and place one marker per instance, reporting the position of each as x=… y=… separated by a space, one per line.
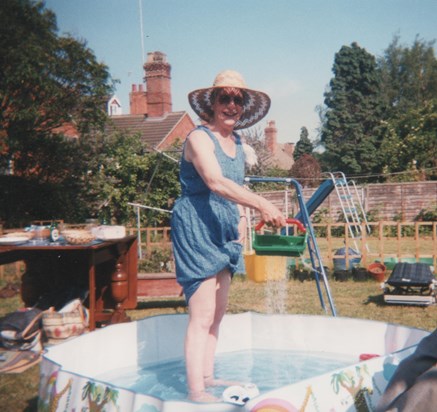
x=316 y=260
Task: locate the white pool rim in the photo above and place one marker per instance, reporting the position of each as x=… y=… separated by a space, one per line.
x=69 y=371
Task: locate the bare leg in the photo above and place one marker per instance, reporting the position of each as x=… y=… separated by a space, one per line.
x=206 y=310
x=222 y=291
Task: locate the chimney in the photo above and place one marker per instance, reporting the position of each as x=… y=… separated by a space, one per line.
x=270 y=133
x=138 y=100
x=157 y=78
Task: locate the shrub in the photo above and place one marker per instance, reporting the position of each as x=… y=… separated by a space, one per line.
x=427 y=215
x=159 y=260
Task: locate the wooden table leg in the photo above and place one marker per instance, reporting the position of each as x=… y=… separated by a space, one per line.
x=119 y=291
x=92 y=294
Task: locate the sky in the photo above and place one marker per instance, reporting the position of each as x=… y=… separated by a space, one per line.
x=285 y=48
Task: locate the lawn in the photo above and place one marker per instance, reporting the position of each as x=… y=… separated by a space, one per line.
x=352 y=299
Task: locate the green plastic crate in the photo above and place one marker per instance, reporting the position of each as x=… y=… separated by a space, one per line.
x=279 y=245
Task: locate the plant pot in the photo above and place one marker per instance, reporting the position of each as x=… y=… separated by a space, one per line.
x=301 y=275
x=377 y=270
x=360 y=274
x=342 y=275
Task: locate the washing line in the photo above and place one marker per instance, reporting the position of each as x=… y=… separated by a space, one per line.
x=138 y=207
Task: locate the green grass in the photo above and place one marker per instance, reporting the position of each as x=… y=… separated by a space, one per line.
x=352 y=299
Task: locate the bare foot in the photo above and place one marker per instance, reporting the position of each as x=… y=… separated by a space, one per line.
x=203 y=397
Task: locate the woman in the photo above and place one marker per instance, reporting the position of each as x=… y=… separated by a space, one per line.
x=208 y=221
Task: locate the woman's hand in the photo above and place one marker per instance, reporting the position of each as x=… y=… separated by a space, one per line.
x=271 y=214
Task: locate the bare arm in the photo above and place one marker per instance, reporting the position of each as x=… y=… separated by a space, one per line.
x=200 y=151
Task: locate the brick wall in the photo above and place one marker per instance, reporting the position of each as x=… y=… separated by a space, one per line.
x=138 y=100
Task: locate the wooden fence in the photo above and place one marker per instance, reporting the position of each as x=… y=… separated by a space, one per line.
x=387 y=201
x=387 y=240
x=409 y=241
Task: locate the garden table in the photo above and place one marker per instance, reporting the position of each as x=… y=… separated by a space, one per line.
x=107 y=270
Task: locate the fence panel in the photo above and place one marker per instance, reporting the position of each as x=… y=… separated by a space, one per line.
x=411 y=241
x=388 y=239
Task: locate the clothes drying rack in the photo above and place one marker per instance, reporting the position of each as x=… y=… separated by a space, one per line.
x=313 y=249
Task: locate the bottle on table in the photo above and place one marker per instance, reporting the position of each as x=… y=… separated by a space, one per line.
x=54 y=232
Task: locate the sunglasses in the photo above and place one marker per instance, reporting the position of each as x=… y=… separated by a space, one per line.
x=226 y=99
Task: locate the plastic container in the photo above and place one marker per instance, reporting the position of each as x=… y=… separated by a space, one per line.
x=391 y=262
x=354 y=259
x=360 y=274
x=377 y=270
x=342 y=275
x=280 y=245
x=265 y=268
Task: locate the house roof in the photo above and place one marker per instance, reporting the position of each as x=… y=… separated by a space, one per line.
x=114 y=100
x=281 y=158
x=153 y=130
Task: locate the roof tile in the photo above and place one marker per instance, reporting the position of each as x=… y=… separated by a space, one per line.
x=153 y=130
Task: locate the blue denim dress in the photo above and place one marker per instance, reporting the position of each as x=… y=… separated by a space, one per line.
x=204 y=225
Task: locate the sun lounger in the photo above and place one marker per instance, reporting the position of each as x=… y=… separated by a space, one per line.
x=411 y=284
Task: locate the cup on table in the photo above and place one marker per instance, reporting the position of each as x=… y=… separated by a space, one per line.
x=38 y=235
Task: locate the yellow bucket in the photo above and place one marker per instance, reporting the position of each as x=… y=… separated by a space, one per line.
x=264 y=268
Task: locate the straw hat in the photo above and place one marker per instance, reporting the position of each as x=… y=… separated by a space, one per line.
x=256 y=103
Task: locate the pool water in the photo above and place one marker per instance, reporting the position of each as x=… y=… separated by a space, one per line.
x=268 y=369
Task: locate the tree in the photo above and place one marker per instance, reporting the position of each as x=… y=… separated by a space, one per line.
x=122 y=172
x=304 y=145
x=411 y=142
x=409 y=75
x=352 y=129
x=47 y=81
x=410 y=88
x=254 y=137
x=306 y=170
